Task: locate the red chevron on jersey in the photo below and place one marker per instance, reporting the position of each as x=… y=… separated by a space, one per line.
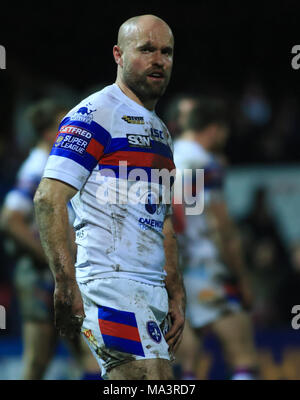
x=138 y=159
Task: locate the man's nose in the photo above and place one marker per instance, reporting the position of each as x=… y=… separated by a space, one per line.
x=158 y=59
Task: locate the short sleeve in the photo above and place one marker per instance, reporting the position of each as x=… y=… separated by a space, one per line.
x=78 y=147
x=20 y=198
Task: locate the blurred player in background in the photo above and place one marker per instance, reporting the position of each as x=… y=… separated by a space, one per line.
x=214 y=272
x=177 y=111
x=33 y=278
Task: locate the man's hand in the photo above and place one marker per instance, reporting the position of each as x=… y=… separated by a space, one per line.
x=50 y=203
x=15 y=224
x=176 y=313
x=68 y=306
x=246 y=292
x=175 y=288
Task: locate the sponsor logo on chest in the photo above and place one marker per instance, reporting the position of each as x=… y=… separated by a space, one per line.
x=144 y=139
x=136 y=140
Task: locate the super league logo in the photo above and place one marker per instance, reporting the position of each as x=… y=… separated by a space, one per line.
x=2 y=57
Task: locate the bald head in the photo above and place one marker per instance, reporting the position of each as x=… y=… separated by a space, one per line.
x=144 y=55
x=134 y=27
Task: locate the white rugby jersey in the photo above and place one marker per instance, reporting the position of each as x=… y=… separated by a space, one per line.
x=196 y=233
x=113 y=239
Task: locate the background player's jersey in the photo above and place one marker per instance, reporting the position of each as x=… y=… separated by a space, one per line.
x=196 y=233
x=114 y=238
x=20 y=198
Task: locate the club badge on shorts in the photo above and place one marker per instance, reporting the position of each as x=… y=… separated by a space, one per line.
x=154 y=331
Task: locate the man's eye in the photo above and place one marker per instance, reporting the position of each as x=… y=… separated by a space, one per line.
x=149 y=50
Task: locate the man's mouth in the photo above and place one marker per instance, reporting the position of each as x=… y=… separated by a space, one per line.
x=156 y=76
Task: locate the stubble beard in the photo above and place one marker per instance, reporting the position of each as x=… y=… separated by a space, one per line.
x=144 y=90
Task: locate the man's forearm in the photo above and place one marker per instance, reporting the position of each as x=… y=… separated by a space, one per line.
x=227 y=237
x=13 y=224
x=174 y=281
x=233 y=254
x=52 y=219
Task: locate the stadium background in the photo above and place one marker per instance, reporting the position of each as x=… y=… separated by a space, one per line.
x=240 y=51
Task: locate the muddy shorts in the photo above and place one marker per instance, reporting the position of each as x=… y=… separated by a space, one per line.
x=211 y=293
x=35 y=289
x=125 y=320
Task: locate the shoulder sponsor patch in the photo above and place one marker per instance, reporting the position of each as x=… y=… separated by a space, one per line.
x=73 y=138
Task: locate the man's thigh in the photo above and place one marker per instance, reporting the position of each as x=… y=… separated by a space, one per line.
x=235 y=332
x=207 y=299
x=39 y=339
x=125 y=323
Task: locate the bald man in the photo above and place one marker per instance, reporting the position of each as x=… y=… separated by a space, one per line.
x=125 y=293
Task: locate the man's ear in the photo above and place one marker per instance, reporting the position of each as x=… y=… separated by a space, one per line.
x=117 y=52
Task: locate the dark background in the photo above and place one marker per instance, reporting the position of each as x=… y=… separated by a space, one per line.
x=222 y=48
x=218 y=44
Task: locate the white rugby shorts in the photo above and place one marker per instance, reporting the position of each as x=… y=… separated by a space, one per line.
x=208 y=294
x=125 y=320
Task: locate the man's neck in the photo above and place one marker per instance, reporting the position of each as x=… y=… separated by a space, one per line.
x=150 y=105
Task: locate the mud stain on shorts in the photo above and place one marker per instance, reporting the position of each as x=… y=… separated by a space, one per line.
x=113 y=358
x=142 y=249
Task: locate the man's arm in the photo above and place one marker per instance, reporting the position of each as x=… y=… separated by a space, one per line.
x=50 y=203
x=230 y=245
x=174 y=286
x=14 y=224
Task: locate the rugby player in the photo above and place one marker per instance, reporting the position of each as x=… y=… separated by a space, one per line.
x=125 y=287
x=214 y=272
x=177 y=111
x=33 y=278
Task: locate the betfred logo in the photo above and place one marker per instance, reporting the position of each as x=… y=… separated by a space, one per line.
x=76 y=131
x=73 y=138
